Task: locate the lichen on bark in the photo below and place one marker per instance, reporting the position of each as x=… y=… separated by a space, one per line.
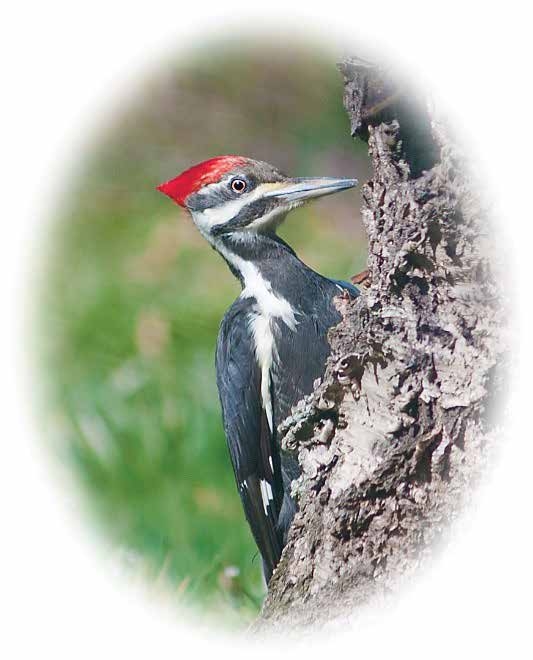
x=394 y=437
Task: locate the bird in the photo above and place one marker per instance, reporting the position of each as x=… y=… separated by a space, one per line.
x=272 y=344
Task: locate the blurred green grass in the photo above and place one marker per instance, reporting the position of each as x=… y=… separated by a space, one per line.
x=132 y=298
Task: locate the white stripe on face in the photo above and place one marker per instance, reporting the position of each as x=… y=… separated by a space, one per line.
x=219 y=215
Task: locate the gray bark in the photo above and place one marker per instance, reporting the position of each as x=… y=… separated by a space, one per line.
x=393 y=439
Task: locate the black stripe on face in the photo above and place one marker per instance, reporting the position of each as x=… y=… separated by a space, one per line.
x=220 y=193
x=253 y=211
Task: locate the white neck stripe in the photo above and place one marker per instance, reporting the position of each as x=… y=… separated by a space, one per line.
x=269 y=305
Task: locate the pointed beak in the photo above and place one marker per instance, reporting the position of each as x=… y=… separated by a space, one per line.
x=295 y=190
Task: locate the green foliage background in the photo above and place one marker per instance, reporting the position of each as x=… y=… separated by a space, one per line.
x=133 y=296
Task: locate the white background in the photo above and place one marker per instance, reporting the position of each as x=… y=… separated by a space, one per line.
x=65 y=63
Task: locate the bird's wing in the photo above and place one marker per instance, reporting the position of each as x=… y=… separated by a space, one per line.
x=302 y=354
x=252 y=447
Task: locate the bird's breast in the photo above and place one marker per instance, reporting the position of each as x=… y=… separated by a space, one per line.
x=269 y=316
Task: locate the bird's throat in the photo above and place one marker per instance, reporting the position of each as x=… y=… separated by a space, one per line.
x=248 y=253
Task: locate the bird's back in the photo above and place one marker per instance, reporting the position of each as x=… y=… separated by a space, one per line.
x=302 y=354
x=252 y=414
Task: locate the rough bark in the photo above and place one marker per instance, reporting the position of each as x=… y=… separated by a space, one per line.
x=395 y=436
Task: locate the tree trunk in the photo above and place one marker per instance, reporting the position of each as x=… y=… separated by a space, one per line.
x=397 y=432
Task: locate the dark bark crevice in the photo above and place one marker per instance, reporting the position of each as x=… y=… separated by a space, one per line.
x=374 y=96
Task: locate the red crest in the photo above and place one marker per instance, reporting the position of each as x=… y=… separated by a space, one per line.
x=197 y=176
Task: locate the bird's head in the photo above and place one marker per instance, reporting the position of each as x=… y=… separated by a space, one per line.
x=229 y=194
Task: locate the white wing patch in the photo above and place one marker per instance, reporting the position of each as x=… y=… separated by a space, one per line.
x=269 y=305
x=266 y=494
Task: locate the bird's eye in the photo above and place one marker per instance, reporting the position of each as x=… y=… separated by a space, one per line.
x=238 y=185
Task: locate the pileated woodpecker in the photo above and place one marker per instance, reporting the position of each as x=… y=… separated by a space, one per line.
x=272 y=343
